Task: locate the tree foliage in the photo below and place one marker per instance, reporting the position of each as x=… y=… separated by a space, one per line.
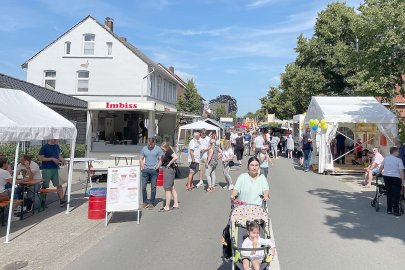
x=350 y=53
x=233 y=105
x=191 y=101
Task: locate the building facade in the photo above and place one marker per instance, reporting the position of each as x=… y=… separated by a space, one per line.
x=123 y=87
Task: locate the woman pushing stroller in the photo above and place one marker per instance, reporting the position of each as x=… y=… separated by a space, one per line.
x=251 y=186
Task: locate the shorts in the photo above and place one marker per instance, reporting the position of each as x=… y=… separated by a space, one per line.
x=273 y=147
x=50 y=175
x=375 y=171
x=300 y=154
x=194 y=167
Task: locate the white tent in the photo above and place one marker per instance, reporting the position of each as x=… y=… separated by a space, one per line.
x=197 y=126
x=338 y=110
x=23 y=118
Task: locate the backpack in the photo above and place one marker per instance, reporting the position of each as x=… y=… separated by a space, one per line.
x=227 y=244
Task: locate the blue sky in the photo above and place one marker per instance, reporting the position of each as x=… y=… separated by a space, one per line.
x=233 y=47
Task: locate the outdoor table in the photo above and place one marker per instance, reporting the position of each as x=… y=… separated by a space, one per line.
x=89 y=165
x=26 y=183
x=118 y=157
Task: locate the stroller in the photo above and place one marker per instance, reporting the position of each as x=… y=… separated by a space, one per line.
x=380 y=191
x=240 y=215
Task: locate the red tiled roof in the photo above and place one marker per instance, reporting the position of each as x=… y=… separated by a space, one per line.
x=397 y=99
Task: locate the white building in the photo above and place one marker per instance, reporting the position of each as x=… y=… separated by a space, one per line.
x=123 y=87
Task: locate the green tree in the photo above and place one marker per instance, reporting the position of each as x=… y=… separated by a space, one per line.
x=220 y=111
x=191 y=101
x=381 y=57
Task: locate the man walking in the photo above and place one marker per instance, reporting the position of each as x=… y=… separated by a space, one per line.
x=307 y=148
x=150 y=162
x=51 y=158
x=340 y=147
x=258 y=144
x=204 y=147
x=194 y=155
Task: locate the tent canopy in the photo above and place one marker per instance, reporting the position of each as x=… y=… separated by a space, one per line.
x=23 y=118
x=349 y=110
x=199 y=125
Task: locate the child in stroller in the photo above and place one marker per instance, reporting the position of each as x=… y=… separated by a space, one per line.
x=253 y=241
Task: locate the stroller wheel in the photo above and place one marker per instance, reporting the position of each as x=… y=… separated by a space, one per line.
x=373 y=203
x=401 y=208
x=377 y=207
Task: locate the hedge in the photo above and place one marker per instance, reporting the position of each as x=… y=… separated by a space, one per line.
x=9 y=151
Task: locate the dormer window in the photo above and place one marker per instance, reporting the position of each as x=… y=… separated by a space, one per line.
x=88 y=44
x=67 y=48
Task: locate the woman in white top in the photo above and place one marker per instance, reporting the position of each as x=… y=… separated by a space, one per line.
x=28 y=168
x=392 y=170
x=227 y=156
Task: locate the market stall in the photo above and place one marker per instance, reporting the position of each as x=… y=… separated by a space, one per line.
x=196 y=126
x=23 y=118
x=365 y=117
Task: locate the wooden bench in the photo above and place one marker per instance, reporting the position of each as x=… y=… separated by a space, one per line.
x=4 y=205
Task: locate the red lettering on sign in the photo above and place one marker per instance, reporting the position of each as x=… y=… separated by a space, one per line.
x=121 y=105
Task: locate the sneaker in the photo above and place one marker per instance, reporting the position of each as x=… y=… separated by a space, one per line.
x=230 y=187
x=201 y=183
x=225 y=187
x=277 y=157
x=62 y=203
x=150 y=206
x=306 y=170
x=145 y=205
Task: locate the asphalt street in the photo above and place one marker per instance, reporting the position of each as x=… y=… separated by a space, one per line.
x=318 y=221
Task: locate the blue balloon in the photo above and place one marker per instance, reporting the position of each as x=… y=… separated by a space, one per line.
x=314 y=128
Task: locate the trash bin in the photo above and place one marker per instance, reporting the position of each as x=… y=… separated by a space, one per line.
x=97 y=203
x=159 y=182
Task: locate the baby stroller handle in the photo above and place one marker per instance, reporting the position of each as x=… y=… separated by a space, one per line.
x=251 y=249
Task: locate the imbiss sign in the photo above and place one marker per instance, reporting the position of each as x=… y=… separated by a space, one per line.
x=124 y=106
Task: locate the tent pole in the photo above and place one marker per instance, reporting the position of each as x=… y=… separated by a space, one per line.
x=10 y=208
x=70 y=173
x=89 y=131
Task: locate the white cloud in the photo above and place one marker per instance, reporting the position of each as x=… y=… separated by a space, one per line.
x=259 y=3
x=185 y=75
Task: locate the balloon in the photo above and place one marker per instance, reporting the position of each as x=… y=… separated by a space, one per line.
x=311 y=122
x=316 y=122
x=322 y=121
x=314 y=128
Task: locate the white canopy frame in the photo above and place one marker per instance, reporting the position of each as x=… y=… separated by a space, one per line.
x=23 y=118
x=197 y=126
x=342 y=110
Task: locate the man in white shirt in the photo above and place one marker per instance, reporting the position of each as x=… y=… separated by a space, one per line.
x=204 y=147
x=233 y=137
x=258 y=144
x=194 y=155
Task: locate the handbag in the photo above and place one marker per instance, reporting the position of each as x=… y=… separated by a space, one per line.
x=231 y=163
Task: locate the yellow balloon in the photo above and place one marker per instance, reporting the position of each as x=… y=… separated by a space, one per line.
x=316 y=122
x=323 y=121
x=324 y=126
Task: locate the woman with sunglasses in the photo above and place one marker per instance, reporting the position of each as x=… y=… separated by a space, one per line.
x=168 y=160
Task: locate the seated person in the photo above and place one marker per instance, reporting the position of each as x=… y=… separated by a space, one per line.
x=373 y=168
x=6 y=181
x=29 y=168
x=255 y=241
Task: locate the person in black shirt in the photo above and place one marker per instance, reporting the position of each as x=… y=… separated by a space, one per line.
x=168 y=160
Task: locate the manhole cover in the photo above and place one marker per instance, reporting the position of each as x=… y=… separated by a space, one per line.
x=16 y=265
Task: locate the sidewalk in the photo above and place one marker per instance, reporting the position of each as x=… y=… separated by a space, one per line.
x=51 y=239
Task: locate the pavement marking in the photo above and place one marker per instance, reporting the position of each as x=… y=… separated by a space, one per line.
x=275 y=264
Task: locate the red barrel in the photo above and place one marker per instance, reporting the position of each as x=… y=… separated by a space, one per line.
x=97 y=206
x=159 y=182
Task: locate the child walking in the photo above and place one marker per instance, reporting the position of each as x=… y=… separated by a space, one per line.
x=264 y=159
x=255 y=241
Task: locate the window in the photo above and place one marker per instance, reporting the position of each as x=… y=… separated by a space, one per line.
x=83 y=81
x=50 y=79
x=109 y=48
x=67 y=47
x=88 y=44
